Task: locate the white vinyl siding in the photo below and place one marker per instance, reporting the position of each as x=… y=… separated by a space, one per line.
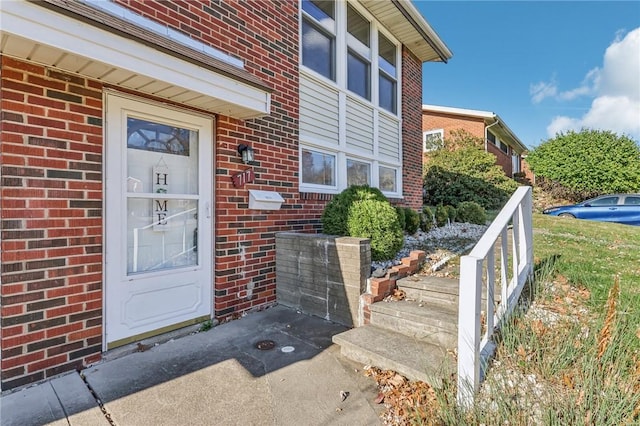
x=338 y=118
x=389 y=137
x=359 y=126
x=319 y=112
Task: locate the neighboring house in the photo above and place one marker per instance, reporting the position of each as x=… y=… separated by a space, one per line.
x=127 y=210
x=438 y=122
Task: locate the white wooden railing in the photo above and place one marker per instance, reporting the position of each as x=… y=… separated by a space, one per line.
x=493 y=255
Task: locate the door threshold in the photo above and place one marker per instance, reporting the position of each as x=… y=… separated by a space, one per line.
x=143 y=342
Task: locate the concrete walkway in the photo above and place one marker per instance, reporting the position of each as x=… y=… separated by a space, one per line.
x=217 y=377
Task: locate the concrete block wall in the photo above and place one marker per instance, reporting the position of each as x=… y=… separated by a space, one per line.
x=322 y=275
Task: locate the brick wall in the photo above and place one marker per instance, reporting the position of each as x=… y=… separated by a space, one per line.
x=474 y=125
x=450 y=122
x=51 y=204
x=411 y=130
x=265 y=36
x=51 y=209
x=502 y=159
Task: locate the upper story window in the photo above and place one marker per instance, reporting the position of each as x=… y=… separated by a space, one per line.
x=358 y=54
x=318 y=37
x=344 y=44
x=432 y=140
x=388 y=79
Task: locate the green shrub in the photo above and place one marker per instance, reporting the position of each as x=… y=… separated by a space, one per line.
x=335 y=214
x=470 y=212
x=402 y=219
x=579 y=165
x=441 y=215
x=412 y=220
x=451 y=212
x=426 y=219
x=463 y=171
x=378 y=221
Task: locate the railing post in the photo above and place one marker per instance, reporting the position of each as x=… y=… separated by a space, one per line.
x=469 y=329
x=526 y=242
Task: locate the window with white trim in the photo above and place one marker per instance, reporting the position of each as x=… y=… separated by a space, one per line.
x=318 y=168
x=387 y=78
x=497 y=142
x=350 y=92
x=388 y=179
x=432 y=140
x=358 y=54
x=318 y=37
x=358 y=172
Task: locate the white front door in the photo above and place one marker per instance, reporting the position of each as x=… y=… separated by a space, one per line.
x=158 y=219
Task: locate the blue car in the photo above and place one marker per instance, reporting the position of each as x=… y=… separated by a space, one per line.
x=619 y=208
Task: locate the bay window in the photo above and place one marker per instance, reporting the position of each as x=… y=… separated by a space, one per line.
x=350 y=128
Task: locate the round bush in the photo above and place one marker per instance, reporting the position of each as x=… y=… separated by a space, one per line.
x=412 y=220
x=470 y=212
x=335 y=214
x=426 y=219
x=378 y=221
x=441 y=215
x=402 y=218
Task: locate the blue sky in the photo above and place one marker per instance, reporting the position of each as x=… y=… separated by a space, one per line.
x=542 y=66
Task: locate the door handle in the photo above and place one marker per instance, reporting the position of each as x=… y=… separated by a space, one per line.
x=207 y=207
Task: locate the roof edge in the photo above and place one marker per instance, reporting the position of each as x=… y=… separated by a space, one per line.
x=459 y=111
x=421 y=25
x=479 y=114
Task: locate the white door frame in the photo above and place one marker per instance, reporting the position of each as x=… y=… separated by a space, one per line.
x=117 y=106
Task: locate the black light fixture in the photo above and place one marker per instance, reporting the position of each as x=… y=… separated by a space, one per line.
x=246 y=152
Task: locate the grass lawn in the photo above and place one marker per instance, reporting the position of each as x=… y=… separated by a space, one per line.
x=572 y=354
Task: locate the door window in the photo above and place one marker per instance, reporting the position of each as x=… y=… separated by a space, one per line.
x=162 y=196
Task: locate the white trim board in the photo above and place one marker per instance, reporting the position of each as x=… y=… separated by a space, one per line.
x=37 y=34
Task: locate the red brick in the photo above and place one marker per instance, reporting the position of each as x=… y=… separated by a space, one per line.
x=49 y=362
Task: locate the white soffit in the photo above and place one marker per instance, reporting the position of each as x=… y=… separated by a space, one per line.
x=40 y=35
x=406 y=24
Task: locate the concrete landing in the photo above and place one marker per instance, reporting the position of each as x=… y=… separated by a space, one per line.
x=218 y=377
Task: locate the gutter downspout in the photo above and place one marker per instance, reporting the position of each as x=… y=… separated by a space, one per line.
x=486 y=133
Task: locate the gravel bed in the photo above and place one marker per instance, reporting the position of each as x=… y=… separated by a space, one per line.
x=450 y=238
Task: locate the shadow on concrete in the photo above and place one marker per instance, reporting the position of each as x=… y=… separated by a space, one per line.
x=221 y=377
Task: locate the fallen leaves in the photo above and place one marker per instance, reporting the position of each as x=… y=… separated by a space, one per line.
x=406 y=402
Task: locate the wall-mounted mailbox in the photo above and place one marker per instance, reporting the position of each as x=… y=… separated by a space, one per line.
x=264 y=200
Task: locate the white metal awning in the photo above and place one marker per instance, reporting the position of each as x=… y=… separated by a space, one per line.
x=128 y=57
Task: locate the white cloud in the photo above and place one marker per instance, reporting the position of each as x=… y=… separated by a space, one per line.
x=542 y=90
x=588 y=87
x=616 y=87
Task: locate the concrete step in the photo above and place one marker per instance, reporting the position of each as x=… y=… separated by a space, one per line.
x=431 y=323
x=430 y=289
x=388 y=350
x=436 y=290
